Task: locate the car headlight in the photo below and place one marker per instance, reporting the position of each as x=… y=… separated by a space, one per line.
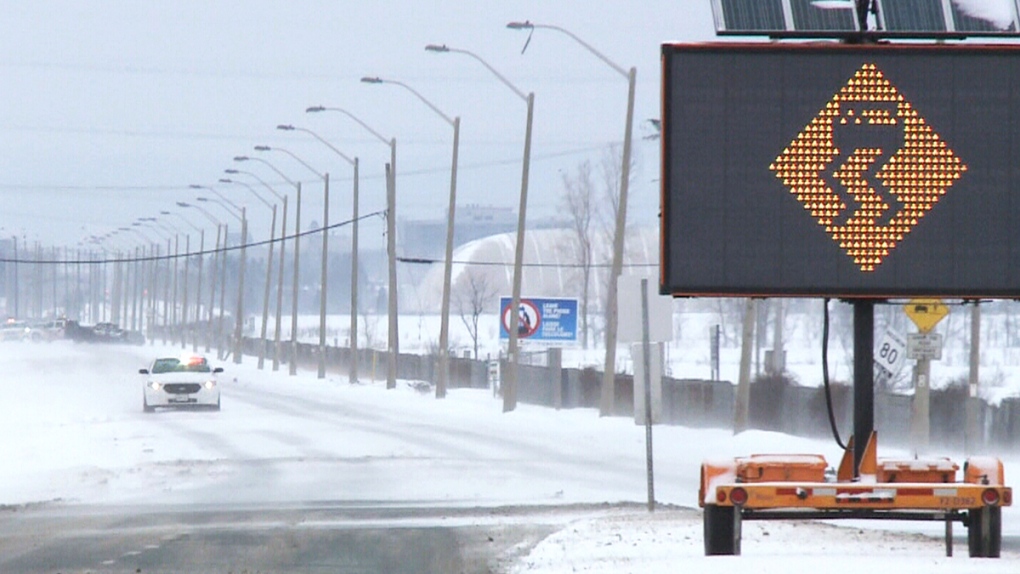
x=210 y=385
x=155 y=386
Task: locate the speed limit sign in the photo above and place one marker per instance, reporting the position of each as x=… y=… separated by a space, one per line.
x=891 y=353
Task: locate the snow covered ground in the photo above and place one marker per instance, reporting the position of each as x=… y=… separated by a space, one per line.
x=74 y=433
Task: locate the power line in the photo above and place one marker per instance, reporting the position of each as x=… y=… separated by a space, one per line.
x=429 y=261
x=381 y=213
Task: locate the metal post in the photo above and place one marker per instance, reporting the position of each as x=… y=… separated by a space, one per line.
x=173 y=300
x=136 y=297
x=451 y=213
x=184 y=295
x=353 y=376
x=150 y=314
x=54 y=278
x=325 y=271
x=645 y=352
x=279 y=287
x=973 y=431
x=391 y=249
x=166 y=291
x=510 y=383
x=209 y=331
x=920 y=424
x=295 y=287
x=221 y=337
x=77 y=285
x=198 y=292
x=239 y=323
x=265 y=296
x=612 y=313
x=864 y=377
x=17 y=309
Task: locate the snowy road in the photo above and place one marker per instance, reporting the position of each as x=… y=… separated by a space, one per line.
x=75 y=440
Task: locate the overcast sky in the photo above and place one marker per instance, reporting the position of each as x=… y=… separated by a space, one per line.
x=110 y=110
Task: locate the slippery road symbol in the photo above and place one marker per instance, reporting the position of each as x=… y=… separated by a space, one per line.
x=868 y=168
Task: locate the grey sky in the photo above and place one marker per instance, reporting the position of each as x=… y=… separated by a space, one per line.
x=109 y=110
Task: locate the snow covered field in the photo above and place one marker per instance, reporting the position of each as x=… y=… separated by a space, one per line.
x=74 y=433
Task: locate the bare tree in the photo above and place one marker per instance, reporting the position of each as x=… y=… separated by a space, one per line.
x=609 y=172
x=471 y=293
x=611 y=169
x=579 y=199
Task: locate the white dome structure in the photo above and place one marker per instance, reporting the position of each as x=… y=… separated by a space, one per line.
x=551 y=268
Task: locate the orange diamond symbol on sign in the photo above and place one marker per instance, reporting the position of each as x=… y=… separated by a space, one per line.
x=868 y=167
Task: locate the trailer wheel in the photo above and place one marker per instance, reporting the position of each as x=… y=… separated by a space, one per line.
x=722 y=534
x=984 y=532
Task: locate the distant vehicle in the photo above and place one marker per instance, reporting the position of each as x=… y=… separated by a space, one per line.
x=180 y=382
x=13 y=330
x=47 y=331
x=77 y=332
x=109 y=333
x=101 y=333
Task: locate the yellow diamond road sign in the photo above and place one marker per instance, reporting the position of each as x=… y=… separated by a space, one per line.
x=868 y=167
x=926 y=313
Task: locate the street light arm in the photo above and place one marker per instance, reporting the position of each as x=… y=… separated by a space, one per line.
x=224 y=206
x=204 y=211
x=269 y=165
x=327 y=144
x=529 y=25
x=413 y=91
x=251 y=189
x=506 y=82
x=224 y=198
x=302 y=162
x=288 y=152
x=182 y=218
x=353 y=117
x=277 y=194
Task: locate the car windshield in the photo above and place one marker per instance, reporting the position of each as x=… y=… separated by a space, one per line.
x=191 y=365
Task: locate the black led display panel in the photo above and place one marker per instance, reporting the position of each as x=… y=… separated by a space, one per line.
x=828 y=169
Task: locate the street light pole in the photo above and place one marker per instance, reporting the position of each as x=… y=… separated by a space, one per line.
x=297 y=263
x=606 y=402
x=269 y=269
x=325 y=243
x=283 y=250
x=184 y=280
x=510 y=383
x=212 y=273
x=444 y=328
x=239 y=324
x=198 y=286
x=353 y=371
x=239 y=320
x=391 y=245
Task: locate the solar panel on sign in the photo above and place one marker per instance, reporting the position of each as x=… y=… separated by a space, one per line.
x=824 y=15
x=912 y=16
x=735 y=16
x=966 y=22
x=914 y=19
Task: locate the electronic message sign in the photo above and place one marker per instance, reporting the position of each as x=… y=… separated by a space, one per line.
x=843 y=170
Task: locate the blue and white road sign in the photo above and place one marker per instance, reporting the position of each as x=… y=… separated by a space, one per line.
x=541 y=320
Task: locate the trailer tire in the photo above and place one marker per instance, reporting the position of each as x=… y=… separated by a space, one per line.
x=721 y=533
x=984 y=532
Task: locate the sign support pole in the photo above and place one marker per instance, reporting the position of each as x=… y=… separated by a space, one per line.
x=920 y=423
x=645 y=351
x=864 y=376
